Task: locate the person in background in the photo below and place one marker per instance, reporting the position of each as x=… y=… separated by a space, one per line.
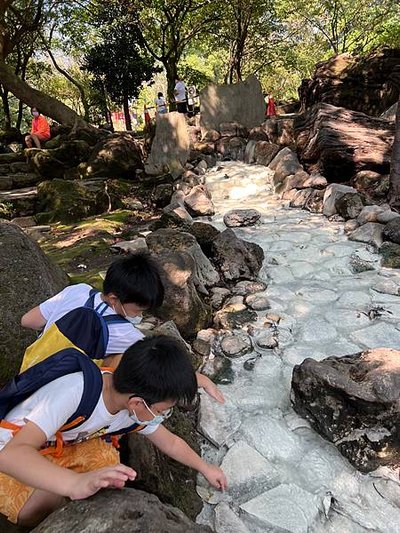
x=161 y=106
x=180 y=95
x=271 y=110
x=40 y=130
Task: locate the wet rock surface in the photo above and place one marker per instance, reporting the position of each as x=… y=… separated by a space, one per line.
x=328 y=297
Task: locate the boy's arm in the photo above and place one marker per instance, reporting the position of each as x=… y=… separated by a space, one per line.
x=203 y=382
x=20 y=458
x=33 y=319
x=178 y=449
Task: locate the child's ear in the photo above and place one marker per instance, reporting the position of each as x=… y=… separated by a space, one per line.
x=134 y=402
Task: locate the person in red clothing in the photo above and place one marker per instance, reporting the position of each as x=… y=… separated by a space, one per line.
x=271 y=110
x=40 y=130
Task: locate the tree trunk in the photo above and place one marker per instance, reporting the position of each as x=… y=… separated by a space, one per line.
x=6 y=108
x=394 y=190
x=127 y=114
x=172 y=72
x=48 y=105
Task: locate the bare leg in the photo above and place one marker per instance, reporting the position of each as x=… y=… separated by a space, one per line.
x=28 y=141
x=40 y=504
x=36 y=140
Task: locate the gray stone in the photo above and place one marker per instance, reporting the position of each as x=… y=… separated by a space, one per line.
x=354 y=299
x=286 y=508
x=125 y=510
x=219 y=295
x=370 y=233
x=236 y=259
x=370 y=214
x=242 y=102
x=386 y=216
x=391 y=231
x=241 y=217
x=387 y=286
x=248 y=472
x=257 y=302
x=390 y=253
x=236 y=345
x=267 y=340
x=377 y=335
x=218 y=422
x=350 y=205
x=137 y=245
x=198 y=202
x=226 y=521
x=27 y=278
x=317 y=330
x=265 y=152
x=333 y=192
x=171 y=144
x=353 y=402
x=284 y=164
x=350 y=225
x=249 y=152
x=249 y=287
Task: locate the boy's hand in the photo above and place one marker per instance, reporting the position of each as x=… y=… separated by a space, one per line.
x=205 y=383
x=214 y=392
x=89 y=483
x=215 y=476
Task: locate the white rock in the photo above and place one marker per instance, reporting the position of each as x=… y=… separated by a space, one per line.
x=218 y=422
x=317 y=330
x=226 y=521
x=354 y=300
x=136 y=245
x=376 y=336
x=286 y=507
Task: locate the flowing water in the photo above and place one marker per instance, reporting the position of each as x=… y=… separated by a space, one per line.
x=282 y=476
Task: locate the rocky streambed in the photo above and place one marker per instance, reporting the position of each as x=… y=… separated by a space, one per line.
x=325 y=296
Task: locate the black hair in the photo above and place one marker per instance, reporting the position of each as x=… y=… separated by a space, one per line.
x=159 y=95
x=34 y=107
x=156 y=369
x=136 y=279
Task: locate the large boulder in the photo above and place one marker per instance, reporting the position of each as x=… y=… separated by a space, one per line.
x=198 y=202
x=118 y=156
x=171 y=144
x=27 y=277
x=125 y=511
x=358 y=83
x=391 y=232
x=235 y=258
x=242 y=102
x=53 y=163
x=241 y=217
x=353 y=401
x=285 y=163
x=165 y=239
x=264 y=152
x=71 y=201
x=333 y=194
x=339 y=143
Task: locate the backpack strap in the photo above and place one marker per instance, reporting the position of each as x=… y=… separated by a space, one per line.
x=90 y=301
x=130 y=429
x=115 y=319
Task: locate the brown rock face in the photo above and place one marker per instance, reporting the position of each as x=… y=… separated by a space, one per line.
x=27 y=278
x=339 y=143
x=353 y=82
x=353 y=401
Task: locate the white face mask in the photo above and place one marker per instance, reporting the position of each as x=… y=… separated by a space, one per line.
x=155 y=421
x=134 y=320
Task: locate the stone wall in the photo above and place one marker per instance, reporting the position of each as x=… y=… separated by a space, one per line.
x=242 y=102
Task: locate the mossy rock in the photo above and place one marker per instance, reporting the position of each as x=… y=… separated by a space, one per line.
x=390 y=253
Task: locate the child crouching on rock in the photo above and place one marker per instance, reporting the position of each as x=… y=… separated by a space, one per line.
x=42 y=462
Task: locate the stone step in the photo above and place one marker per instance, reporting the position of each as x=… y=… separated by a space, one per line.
x=12 y=157
x=19 y=167
x=16 y=181
x=22 y=202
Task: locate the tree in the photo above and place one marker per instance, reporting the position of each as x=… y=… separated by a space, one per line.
x=394 y=189
x=120 y=61
x=19 y=20
x=167 y=27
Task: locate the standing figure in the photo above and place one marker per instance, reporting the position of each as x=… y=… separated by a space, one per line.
x=271 y=110
x=180 y=95
x=161 y=106
x=147 y=118
x=40 y=130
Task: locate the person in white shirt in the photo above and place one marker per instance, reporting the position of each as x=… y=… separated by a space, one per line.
x=180 y=95
x=161 y=106
x=132 y=285
x=152 y=376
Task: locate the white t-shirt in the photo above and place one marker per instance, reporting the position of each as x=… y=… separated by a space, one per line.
x=51 y=406
x=121 y=336
x=180 y=91
x=160 y=103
